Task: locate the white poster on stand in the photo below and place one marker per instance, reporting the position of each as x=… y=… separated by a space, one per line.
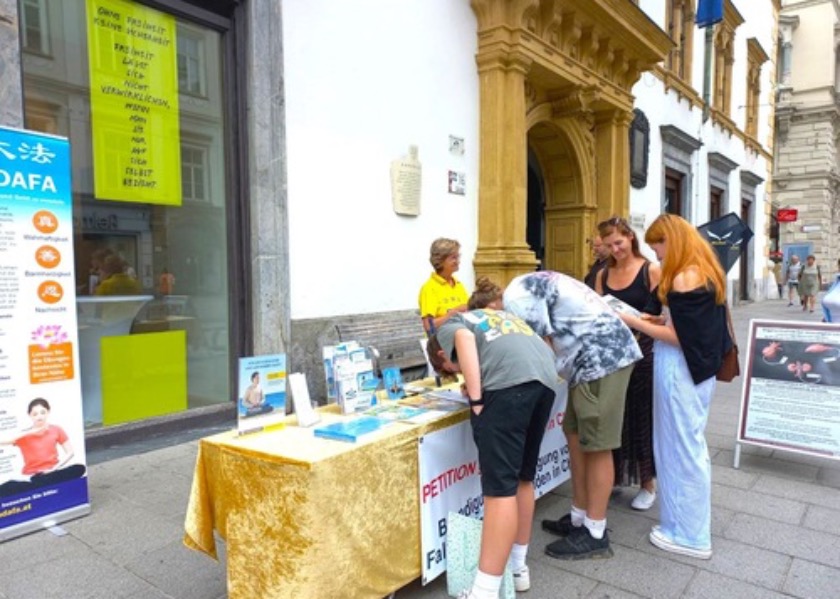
x=42 y=451
x=450 y=480
x=791 y=391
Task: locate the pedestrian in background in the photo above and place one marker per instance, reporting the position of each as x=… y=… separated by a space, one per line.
x=792 y=277
x=688 y=351
x=810 y=282
x=780 y=280
x=600 y=253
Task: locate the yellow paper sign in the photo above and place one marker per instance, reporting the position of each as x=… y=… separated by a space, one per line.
x=134 y=103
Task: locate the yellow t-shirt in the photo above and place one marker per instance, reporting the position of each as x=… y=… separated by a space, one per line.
x=437 y=296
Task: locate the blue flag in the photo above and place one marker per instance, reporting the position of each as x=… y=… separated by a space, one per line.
x=709 y=12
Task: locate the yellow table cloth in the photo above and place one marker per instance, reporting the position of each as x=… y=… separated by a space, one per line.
x=309 y=517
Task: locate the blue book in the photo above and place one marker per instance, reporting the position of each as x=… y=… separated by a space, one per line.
x=392 y=379
x=350 y=430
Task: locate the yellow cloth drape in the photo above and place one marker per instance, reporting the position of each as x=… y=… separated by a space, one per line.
x=308 y=517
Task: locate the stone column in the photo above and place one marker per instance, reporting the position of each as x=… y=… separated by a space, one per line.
x=503 y=251
x=612 y=163
x=11 y=91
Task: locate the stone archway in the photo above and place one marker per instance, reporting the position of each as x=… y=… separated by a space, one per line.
x=556 y=75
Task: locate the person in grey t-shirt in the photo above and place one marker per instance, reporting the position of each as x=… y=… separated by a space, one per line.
x=509 y=378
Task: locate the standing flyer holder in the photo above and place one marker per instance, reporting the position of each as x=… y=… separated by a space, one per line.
x=790 y=399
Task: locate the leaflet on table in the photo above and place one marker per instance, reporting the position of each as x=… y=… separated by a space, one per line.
x=393 y=381
x=350 y=430
x=261 y=401
x=432 y=404
x=355 y=379
x=620 y=306
x=454 y=395
x=397 y=412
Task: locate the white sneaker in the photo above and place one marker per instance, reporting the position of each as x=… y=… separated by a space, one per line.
x=643 y=500
x=658 y=539
x=522 y=580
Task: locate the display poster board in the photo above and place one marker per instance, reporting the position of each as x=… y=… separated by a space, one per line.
x=133 y=65
x=450 y=480
x=790 y=399
x=42 y=439
x=261 y=401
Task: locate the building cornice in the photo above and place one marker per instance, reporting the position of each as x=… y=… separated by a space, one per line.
x=678 y=138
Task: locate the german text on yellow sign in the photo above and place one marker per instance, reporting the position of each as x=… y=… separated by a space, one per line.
x=134 y=103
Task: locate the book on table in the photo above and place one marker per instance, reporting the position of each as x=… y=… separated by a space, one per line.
x=350 y=430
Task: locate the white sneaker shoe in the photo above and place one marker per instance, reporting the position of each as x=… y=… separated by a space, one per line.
x=643 y=500
x=658 y=539
x=522 y=580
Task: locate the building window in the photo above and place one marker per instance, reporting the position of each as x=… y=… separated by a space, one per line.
x=725 y=56
x=715 y=203
x=191 y=79
x=756 y=56
x=194 y=173
x=673 y=200
x=34 y=26
x=680 y=21
x=639 y=146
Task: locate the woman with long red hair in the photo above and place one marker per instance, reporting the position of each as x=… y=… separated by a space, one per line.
x=690 y=341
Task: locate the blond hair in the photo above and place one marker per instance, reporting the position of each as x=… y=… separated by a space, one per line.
x=685 y=248
x=441 y=249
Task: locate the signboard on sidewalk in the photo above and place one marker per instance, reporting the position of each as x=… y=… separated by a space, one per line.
x=450 y=480
x=42 y=450
x=791 y=394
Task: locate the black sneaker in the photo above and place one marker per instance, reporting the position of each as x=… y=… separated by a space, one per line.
x=562 y=527
x=580 y=545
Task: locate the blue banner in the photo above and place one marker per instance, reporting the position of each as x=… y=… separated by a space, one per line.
x=42 y=439
x=709 y=12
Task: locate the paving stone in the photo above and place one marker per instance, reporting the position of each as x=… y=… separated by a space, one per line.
x=814 y=581
x=708 y=585
x=768 y=465
x=165 y=568
x=750 y=502
x=730 y=477
x=787 y=539
x=807 y=492
x=824 y=519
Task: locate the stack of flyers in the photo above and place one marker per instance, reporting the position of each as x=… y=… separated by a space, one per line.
x=431 y=403
x=397 y=412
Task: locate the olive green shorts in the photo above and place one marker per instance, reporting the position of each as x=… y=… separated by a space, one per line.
x=595 y=411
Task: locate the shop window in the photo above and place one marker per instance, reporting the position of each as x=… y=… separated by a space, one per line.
x=194 y=173
x=150 y=199
x=680 y=21
x=34 y=26
x=191 y=79
x=756 y=57
x=724 y=50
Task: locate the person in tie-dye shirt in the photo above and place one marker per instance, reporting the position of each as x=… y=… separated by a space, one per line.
x=595 y=352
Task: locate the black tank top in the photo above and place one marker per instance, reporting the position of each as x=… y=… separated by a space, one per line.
x=636 y=293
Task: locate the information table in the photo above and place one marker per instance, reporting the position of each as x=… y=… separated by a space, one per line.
x=310 y=517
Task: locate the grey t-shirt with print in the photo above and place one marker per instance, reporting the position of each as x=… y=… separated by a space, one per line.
x=509 y=353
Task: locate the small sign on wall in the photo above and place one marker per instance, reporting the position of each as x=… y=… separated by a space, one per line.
x=406 y=176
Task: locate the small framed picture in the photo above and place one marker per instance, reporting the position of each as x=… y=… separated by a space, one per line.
x=457 y=183
x=456 y=145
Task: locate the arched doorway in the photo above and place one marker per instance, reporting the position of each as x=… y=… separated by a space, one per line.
x=568 y=202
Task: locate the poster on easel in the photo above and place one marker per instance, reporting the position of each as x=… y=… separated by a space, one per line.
x=42 y=439
x=790 y=399
x=261 y=401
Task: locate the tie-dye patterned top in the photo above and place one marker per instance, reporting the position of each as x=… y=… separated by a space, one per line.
x=590 y=341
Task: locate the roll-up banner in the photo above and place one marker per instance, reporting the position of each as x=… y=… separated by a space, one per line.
x=42 y=451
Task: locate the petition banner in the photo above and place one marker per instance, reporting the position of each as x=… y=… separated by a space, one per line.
x=42 y=453
x=450 y=480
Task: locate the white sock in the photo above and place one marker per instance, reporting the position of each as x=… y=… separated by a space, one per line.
x=596 y=527
x=485 y=586
x=517 y=557
x=578 y=516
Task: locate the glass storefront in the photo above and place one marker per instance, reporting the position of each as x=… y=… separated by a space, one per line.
x=140 y=95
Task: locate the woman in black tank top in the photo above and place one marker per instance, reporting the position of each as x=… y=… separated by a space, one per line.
x=630 y=277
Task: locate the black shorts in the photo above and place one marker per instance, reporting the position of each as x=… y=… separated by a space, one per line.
x=508 y=434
